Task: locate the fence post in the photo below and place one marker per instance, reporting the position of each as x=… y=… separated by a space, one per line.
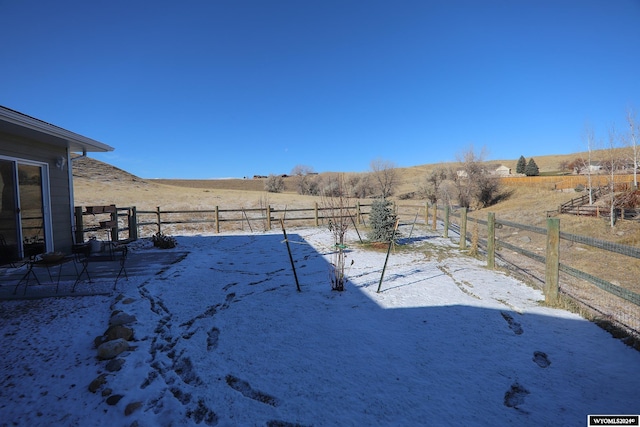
x=446 y=221
x=115 y=235
x=133 y=223
x=268 y=217
x=435 y=216
x=358 y=213
x=315 y=213
x=552 y=261
x=463 y=229
x=491 y=240
x=79 y=225
x=217 y=215
x=158 y=219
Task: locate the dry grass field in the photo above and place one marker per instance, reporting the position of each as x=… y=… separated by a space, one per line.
x=98 y=183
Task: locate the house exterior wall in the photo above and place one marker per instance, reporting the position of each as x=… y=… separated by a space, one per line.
x=23 y=148
x=503 y=171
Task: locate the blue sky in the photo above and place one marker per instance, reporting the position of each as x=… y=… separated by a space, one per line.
x=232 y=88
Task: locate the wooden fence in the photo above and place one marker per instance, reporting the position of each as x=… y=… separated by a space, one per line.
x=113 y=222
x=568 y=182
x=126 y=224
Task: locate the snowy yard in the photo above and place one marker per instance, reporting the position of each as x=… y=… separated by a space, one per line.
x=223 y=338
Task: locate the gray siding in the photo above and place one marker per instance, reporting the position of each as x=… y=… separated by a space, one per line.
x=30 y=149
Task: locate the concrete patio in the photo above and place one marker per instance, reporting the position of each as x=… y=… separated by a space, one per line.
x=103 y=275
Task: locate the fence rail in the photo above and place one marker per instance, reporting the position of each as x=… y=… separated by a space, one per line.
x=567 y=182
x=94 y=221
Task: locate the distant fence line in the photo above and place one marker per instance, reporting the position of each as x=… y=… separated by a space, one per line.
x=115 y=221
x=567 y=182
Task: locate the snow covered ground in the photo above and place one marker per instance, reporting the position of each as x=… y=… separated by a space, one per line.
x=223 y=338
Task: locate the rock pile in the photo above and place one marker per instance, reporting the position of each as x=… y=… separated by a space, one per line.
x=111 y=351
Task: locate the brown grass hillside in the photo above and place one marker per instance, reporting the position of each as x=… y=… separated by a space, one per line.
x=97 y=183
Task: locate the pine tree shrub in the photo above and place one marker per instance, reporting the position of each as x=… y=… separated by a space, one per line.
x=522 y=165
x=382 y=221
x=532 y=168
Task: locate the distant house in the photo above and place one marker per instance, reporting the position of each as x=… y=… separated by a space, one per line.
x=36 y=182
x=502 y=171
x=594 y=167
x=490 y=170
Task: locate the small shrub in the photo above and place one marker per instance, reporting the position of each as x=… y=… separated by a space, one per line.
x=163 y=241
x=407 y=196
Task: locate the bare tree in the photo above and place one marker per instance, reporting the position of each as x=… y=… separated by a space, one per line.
x=590 y=139
x=336 y=205
x=274 y=184
x=634 y=130
x=385 y=175
x=430 y=188
x=333 y=185
x=304 y=176
x=359 y=185
x=472 y=180
x=578 y=165
x=565 y=166
x=612 y=165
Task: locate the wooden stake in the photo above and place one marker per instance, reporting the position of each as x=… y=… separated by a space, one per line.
x=393 y=236
x=293 y=266
x=355 y=227
x=491 y=240
x=414 y=223
x=247 y=218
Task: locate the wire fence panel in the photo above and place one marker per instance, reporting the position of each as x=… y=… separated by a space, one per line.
x=602 y=244
x=599 y=275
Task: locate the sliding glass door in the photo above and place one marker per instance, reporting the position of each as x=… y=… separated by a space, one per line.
x=22 y=210
x=9 y=230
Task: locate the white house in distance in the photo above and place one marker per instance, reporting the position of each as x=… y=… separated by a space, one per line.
x=499 y=171
x=36 y=185
x=502 y=170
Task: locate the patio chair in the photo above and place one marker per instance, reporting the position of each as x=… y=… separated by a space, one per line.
x=112 y=252
x=7 y=254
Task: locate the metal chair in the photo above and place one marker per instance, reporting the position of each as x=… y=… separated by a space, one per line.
x=113 y=253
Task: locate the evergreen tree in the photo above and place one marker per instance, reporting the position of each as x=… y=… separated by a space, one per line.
x=532 y=168
x=522 y=165
x=382 y=220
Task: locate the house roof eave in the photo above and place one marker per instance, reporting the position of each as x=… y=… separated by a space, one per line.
x=74 y=141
